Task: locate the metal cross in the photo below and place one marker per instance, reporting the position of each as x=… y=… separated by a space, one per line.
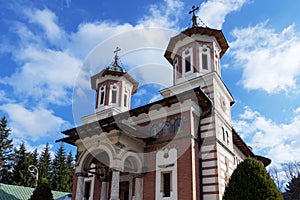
x=194 y=17
x=116 y=52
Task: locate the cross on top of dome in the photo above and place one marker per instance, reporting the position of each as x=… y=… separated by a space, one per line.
x=195 y=17
x=115 y=66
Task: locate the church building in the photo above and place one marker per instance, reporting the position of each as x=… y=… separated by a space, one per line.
x=182 y=147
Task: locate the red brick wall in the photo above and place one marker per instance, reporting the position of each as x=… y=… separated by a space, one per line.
x=149 y=186
x=97 y=188
x=74 y=187
x=184 y=176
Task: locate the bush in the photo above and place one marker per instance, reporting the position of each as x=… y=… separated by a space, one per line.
x=42 y=192
x=250 y=181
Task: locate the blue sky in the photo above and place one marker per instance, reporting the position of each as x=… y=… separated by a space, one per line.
x=50 y=48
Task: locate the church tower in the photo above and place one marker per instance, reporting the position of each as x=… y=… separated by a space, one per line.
x=114 y=87
x=195 y=56
x=180 y=147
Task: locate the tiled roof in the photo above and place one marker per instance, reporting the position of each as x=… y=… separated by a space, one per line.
x=14 y=192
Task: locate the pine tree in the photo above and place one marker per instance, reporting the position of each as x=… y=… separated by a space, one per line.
x=44 y=163
x=249 y=181
x=6 y=151
x=21 y=175
x=69 y=172
x=32 y=160
x=58 y=180
x=293 y=189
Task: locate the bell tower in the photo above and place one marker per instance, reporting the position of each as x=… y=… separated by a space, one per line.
x=114 y=87
x=195 y=55
x=196 y=51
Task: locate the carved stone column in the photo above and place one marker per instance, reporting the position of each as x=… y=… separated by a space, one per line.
x=80 y=186
x=138 y=192
x=115 y=184
x=104 y=188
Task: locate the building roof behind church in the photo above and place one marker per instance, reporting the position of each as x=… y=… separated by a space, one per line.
x=15 y=192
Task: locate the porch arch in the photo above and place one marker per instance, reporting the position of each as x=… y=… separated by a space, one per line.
x=131 y=162
x=96 y=152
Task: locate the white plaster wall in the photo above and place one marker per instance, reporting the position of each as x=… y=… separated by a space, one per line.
x=164 y=164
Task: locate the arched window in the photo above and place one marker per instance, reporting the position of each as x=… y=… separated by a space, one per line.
x=114 y=94
x=187 y=61
x=154 y=130
x=166 y=128
x=227 y=137
x=205 y=58
x=178 y=125
x=101 y=97
x=223 y=133
x=125 y=100
x=177 y=70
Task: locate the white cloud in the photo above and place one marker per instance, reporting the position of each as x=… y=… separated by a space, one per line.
x=47 y=20
x=276 y=66
x=3 y=97
x=214 y=12
x=90 y=34
x=297 y=110
x=141 y=92
x=33 y=124
x=164 y=15
x=46 y=75
x=155 y=98
x=30 y=148
x=280 y=142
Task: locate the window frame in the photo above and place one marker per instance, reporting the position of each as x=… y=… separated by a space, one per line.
x=204 y=50
x=125 y=98
x=100 y=97
x=162 y=184
x=116 y=90
x=185 y=54
x=87 y=194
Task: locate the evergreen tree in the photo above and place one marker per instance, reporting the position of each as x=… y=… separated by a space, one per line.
x=44 y=163
x=32 y=160
x=70 y=168
x=42 y=192
x=6 y=151
x=58 y=178
x=21 y=175
x=250 y=181
x=293 y=189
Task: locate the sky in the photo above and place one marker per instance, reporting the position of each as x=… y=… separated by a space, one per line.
x=50 y=48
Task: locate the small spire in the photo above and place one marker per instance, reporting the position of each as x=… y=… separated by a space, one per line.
x=194 y=17
x=116 y=56
x=115 y=66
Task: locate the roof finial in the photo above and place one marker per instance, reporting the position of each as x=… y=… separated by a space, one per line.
x=194 y=17
x=116 y=52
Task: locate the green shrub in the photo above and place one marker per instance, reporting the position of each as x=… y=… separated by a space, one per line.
x=250 y=181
